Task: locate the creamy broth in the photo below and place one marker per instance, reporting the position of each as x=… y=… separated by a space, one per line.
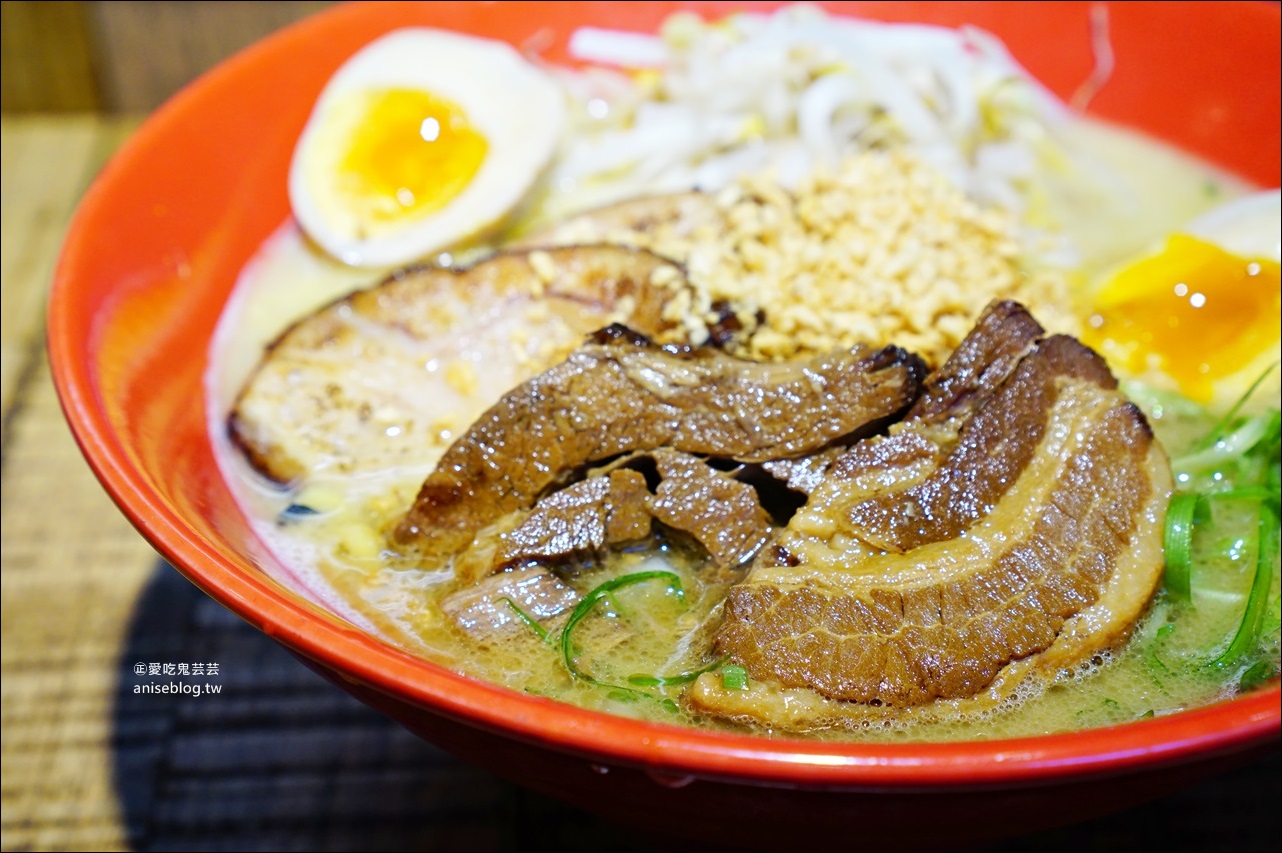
x=1133 y=192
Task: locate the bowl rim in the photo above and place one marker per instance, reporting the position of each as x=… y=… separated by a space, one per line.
x=1222 y=728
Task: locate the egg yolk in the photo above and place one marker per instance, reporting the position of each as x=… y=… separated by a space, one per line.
x=1193 y=311
x=411 y=153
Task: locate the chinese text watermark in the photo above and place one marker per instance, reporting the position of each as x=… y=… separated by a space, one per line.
x=183 y=669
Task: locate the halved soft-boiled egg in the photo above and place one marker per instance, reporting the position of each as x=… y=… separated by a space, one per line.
x=420 y=141
x=1202 y=312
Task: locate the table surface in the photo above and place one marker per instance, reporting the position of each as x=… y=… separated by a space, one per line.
x=278 y=759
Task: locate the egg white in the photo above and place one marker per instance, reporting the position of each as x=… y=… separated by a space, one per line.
x=1249 y=226
x=517 y=107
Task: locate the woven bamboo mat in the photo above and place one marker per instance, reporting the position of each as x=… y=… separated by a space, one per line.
x=277 y=759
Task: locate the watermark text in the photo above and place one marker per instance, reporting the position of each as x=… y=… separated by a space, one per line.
x=185 y=688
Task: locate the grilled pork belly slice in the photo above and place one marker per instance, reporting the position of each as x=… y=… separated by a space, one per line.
x=481 y=610
x=580 y=521
x=929 y=561
x=713 y=508
x=802 y=474
x=388 y=375
x=615 y=505
x=1003 y=334
x=620 y=393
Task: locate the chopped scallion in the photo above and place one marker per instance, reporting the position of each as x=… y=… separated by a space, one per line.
x=1256 y=603
x=673 y=680
x=1228 y=447
x=529 y=620
x=734 y=677
x=1178 y=544
x=1255 y=675
x=1237 y=460
x=586 y=605
x=1220 y=429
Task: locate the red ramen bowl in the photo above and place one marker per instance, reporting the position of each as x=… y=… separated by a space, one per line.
x=162 y=235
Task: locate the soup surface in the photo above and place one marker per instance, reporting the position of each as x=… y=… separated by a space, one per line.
x=642 y=639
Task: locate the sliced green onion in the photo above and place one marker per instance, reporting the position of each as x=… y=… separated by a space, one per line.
x=1155 y=659
x=1274 y=477
x=1242 y=455
x=1273 y=621
x=615 y=607
x=734 y=677
x=585 y=606
x=1255 y=675
x=1257 y=601
x=673 y=680
x=622 y=694
x=1155 y=662
x=529 y=620
x=590 y=601
x=1178 y=544
x=1219 y=430
x=1227 y=448
x=1242 y=493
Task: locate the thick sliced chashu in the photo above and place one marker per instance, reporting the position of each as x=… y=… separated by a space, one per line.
x=580 y=521
x=951 y=560
x=616 y=504
x=620 y=393
x=390 y=375
x=1003 y=335
x=488 y=610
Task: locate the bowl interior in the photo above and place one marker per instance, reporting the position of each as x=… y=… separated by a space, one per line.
x=162 y=235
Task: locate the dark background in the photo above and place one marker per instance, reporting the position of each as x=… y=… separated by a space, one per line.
x=280 y=759
x=283 y=760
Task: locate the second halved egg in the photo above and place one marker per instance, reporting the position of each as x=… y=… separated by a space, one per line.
x=1202 y=312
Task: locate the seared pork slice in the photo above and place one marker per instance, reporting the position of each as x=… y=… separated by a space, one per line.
x=1002 y=335
x=930 y=560
x=620 y=393
x=483 y=612
x=719 y=512
x=580 y=521
x=614 y=506
x=653 y=222
x=803 y=473
x=390 y=375
x=946 y=486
